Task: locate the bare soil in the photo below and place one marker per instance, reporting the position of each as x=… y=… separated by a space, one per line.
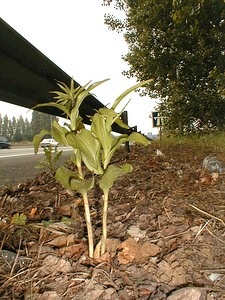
x=166 y=231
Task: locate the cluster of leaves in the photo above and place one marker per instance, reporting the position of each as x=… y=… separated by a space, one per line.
x=179 y=43
x=92 y=147
x=52 y=156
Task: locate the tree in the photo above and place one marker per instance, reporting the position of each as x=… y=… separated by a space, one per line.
x=28 y=136
x=20 y=130
x=5 y=126
x=41 y=120
x=180 y=44
x=12 y=128
x=35 y=122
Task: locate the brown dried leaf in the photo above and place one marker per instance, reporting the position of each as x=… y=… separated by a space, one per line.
x=72 y=251
x=62 y=241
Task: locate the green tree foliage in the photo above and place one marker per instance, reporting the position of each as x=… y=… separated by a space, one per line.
x=27 y=134
x=12 y=128
x=41 y=120
x=180 y=44
x=5 y=126
x=20 y=130
x=17 y=130
x=35 y=123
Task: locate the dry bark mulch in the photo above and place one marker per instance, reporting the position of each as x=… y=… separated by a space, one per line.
x=166 y=234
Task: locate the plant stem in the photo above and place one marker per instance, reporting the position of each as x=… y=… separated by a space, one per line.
x=79 y=163
x=80 y=172
x=88 y=223
x=104 y=223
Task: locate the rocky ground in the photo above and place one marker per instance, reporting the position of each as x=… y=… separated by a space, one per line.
x=166 y=233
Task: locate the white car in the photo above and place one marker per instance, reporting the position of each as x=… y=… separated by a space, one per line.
x=49 y=142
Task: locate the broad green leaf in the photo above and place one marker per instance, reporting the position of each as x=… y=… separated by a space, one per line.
x=100 y=130
x=80 y=124
x=70 y=180
x=111 y=174
x=128 y=91
x=108 y=115
x=89 y=147
x=112 y=117
x=38 y=138
x=138 y=138
x=107 y=112
x=118 y=141
x=75 y=119
x=120 y=122
x=65 y=176
x=77 y=161
x=59 y=133
x=81 y=185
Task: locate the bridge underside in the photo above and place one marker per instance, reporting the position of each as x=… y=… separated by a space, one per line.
x=27 y=76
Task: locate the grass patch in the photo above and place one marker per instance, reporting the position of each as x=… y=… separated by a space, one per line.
x=215 y=140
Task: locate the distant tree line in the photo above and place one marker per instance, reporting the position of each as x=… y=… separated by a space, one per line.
x=20 y=129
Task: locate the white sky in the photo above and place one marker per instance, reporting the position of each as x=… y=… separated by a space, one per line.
x=73 y=35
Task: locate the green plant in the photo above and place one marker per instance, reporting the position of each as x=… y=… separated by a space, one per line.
x=19 y=219
x=52 y=155
x=94 y=148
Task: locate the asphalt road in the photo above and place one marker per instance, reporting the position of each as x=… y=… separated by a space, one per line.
x=18 y=164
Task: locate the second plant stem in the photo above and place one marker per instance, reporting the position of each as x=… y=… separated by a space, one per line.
x=104 y=223
x=89 y=225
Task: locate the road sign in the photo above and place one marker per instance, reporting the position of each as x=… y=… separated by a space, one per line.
x=156 y=119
